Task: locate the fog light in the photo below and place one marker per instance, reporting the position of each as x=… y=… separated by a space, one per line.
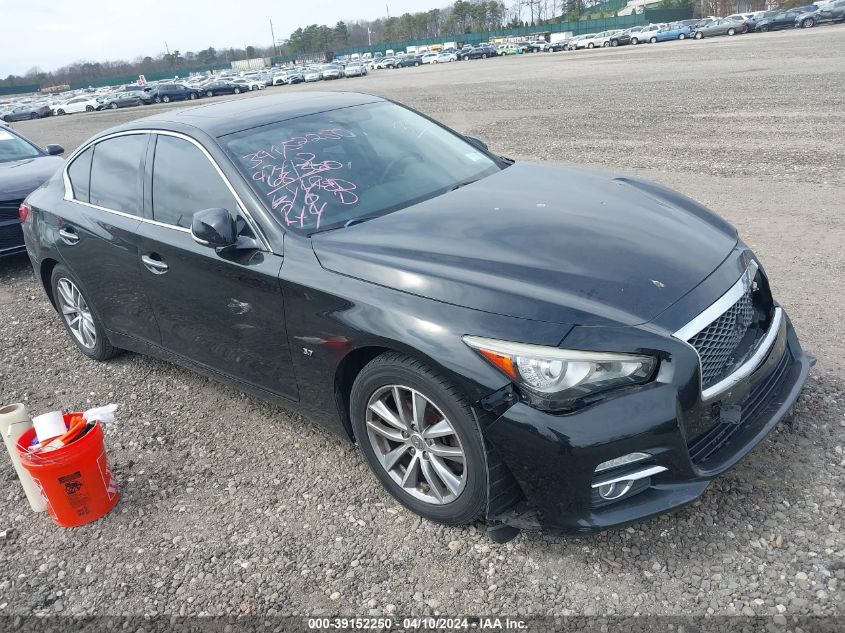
x=615 y=490
x=630 y=458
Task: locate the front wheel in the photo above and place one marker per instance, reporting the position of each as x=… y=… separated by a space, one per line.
x=808 y=23
x=483 y=55
x=420 y=439
x=590 y=45
x=166 y=99
x=614 y=43
x=60 y=112
x=237 y=91
x=698 y=35
x=653 y=40
x=208 y=93
x=605 y=44
x=113 y=106
x=764 y=28
x=731 y=31
x=192 y=96
x=682 y=36
x=416 y=64
x=81 y=323
x=634 y=41
x=89 y=108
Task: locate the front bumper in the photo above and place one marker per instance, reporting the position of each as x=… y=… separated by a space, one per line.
x=553 y=457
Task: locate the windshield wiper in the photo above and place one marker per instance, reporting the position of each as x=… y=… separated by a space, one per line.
x=463 y=184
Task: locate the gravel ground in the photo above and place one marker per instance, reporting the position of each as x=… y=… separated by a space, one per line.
x=211 y=524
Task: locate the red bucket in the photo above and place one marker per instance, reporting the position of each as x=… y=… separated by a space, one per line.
x=75 y=480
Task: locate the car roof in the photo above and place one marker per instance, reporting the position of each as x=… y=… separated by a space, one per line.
x=227 y=117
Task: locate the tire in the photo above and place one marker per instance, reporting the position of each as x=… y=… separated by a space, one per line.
x=634 y=41
x=483 y=55
x=113 y=106
x=682 y=36
x=653 y=40
x=192 y=96
x=416 y=64
x=614 y=42
x=698 y=35
x=764 y=28
x=89 y=108
x=732 y=32
x=237 y=91
x=166 y=99
x=157 y=99
x=808 y=23
x=208 y=93
x=605 y=44
x=590 y=45
x=100 y=348
x=466 y=59
x=60 y=112
x=465 y=500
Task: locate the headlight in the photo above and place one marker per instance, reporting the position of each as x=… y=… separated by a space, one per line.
x=555 y=378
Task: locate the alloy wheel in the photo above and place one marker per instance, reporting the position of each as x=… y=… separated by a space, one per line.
x=76 y=313
x=416 y=444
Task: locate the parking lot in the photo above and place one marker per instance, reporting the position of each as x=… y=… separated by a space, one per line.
x=233 y=506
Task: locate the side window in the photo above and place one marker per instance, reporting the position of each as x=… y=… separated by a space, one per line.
x=185 y=181
x=79 y=174
x=115 y=172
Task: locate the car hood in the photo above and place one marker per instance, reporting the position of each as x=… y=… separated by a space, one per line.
x=19 y=178
x=542 y=242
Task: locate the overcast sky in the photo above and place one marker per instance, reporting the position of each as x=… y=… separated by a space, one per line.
x=50 y=34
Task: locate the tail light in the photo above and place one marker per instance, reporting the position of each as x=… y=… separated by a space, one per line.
x=23 y=211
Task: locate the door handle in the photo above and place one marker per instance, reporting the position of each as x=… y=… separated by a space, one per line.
x=69 y=236
x=155 y=266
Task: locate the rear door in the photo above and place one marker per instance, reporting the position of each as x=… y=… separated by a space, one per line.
x=223 y=311
x=97 y=233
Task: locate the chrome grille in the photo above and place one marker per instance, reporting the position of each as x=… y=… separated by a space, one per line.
x=717 y=343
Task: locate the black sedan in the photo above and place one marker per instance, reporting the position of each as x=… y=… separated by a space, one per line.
x=23 y=167
x=120 y=100
x=534 y=345
x=624 y=38
x=778 y=21
x=221 y=87
x=26 y=112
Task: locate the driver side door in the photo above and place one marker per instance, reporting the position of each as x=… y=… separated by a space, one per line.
x=222 y=311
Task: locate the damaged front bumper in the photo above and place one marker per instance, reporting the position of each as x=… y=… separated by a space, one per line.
x=683 y=442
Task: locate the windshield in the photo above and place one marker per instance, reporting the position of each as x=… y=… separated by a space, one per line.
x=329 y=169
x=13 y=147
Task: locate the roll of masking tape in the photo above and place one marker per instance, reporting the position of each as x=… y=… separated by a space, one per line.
x=49 y=425
x=14 y=422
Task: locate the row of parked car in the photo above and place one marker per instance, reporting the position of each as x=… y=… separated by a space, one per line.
x=760 y=21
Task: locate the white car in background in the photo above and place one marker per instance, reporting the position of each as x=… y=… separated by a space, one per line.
x=429 y=58
x=445 y=57
x=646 y=34
x=587 y=41
x=603 y=39
x=76 y=104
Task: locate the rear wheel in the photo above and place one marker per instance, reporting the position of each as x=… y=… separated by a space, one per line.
x=420 y=439
x=605 y=44
x=590 y=45
x=157 y=99
x=80 y=322
x=483 y=55
x=192 y=96
x=60 y=112
x=764 y=28
x=237 y=91
x=89 y=108
x=634 y=41
x=33 y=116
x=731 y=31
x=113 y=105
x=166 y=99
x=208 y=93
x=614 y=42
x=682 y=36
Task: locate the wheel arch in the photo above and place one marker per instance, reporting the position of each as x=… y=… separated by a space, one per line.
x=46 y=275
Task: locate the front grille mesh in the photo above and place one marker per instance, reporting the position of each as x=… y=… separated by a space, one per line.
x=717 y=343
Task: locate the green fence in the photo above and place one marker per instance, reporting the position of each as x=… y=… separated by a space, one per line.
x=674 y=14
x=18 y=90
x=576 y=28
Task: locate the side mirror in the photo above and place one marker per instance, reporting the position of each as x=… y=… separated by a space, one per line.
x=477 y=142
x=215 y=228
x=54 y=150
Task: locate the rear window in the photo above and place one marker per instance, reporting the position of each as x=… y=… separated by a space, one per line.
x=79 y=174
x=115 y=173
